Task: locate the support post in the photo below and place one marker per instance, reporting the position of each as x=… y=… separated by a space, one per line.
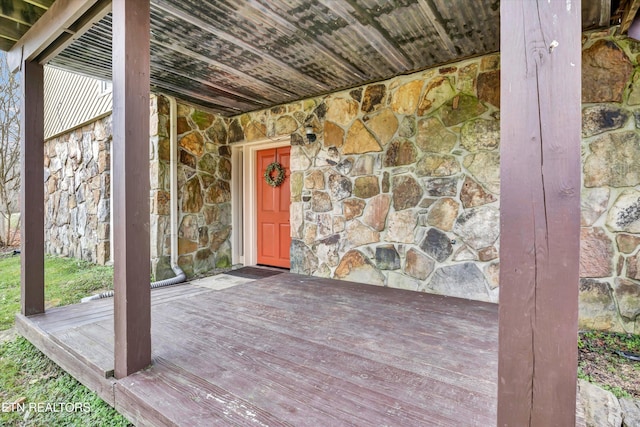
x=132 y=303
x=32 y=189
x=540 y=211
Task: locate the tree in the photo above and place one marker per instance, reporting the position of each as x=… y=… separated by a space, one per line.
x=9 y=148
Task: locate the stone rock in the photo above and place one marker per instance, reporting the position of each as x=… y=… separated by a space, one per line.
x=373 y=97
x=614 y=161
x=401 y=226
x=443 y=214
x=327 y=250
x=224 y=169
x=314 y=180
x=358 y=234
x=366 y=187
x=383 y=125
x=478 y=227
x=339 y=187
x=628 y=296
x=208 y=164
x=255 y=130
x=440 y=187
x=321 y=202
x=460 y=109
x=407 y=192
x=286 y=124
x=624 y=215
x=417 y=264
x=297 y=219
x=437 y=165
x=296 y=186
x=438 y=91
x=202 y=120
x=602 y=118
x=596 y=253
x=187 y=159
x=601 y=408
x=492 y=273
x=480 y=134
x=235 y=131
x=405 y=99
x=434 y=137
x=217 y=133
x=630 y=412
x=360 y=140
x=400 y=281
x=218 y=192
x=192 y=200
x=203 y=261
x=363 y=165
x=299 y=159
x=408 y=127
x=488 y=253
x=192 y=142
x=437 y=245
x=387 y=257
x=485 y=167
x=189 y=228
x=324 y=223
x=489 y=87
x=465 y=253
x=375 y=214
x=333 y=135
x=353 y=208
x=593 y=203
x=473 y=194
x=467 y=78
x=303 y=260
x=627 y=243
x=400 y=152
x=345 y=166
x=386 y=186
x=460 y=280
x=355 y=266
x=218 y=237
x=633 y=267
x=605 y=72
x=341 y=110
x=186 y=264
x=597 y=309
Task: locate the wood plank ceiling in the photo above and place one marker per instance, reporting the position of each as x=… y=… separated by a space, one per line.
x=234 y=56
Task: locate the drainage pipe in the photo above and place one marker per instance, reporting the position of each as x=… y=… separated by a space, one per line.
x=180 y=275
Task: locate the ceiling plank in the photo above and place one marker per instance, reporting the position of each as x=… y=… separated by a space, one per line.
x=194 y=20
x=55 y=21
x=42 y=4
x=629 y=15
x=12 y=30
x=20 y=12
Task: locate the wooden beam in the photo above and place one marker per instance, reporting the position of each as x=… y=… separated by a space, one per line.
x=56 y=20
x=540 y=211
x=132 y=303
x=32 y=189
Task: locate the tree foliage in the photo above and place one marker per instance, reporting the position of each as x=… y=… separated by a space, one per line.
x=9 y=148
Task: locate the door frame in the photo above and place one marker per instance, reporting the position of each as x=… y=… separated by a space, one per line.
x=244 y=206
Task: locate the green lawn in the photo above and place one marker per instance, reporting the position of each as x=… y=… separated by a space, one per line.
x=66 y=282
x=44 y=394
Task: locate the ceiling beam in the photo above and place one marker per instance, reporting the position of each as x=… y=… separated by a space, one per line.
x=60 y=17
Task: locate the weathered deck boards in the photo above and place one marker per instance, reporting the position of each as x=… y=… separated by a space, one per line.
x=290 y=350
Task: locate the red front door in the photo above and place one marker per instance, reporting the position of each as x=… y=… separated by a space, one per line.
x=274 y=236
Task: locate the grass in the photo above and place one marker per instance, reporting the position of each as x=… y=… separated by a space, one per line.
x=66 y=282
x=28 y=378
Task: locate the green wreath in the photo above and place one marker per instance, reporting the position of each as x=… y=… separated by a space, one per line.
x=279 y=178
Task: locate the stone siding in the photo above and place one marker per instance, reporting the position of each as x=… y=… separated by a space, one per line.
x=77 y=193
x=204 y=192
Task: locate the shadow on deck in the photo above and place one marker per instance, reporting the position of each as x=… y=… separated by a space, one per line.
x=289 y=350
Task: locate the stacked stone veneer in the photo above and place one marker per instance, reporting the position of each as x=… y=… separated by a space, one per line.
x=204 y=191
x=77 y=193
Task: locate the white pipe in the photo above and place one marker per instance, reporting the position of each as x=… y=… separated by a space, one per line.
x=173 y=166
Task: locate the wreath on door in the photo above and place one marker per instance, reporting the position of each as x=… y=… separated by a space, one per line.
x=277 y=179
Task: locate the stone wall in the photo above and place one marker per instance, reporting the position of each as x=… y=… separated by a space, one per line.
x=401 y=188
x=204 y=191
x=77 y=193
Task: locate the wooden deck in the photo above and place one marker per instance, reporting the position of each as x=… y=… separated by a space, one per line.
x=289 y=350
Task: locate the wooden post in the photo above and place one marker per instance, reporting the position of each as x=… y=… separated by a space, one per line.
x=130 y=176
x=32 y=189
x=540 y=211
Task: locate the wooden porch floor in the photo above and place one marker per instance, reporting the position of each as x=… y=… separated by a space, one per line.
x=289 y=350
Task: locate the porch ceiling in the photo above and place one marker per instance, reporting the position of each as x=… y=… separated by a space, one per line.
x=234 y=56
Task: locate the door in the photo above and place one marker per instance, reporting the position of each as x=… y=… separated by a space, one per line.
x=274 y=236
